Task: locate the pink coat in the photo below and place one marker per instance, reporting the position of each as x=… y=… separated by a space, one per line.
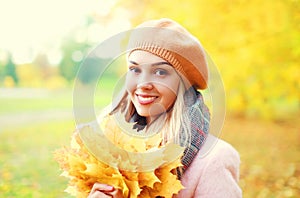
x=214 y=173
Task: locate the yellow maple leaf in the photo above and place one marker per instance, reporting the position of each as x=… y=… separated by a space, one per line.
x=169 y=184
x=83 y=166
x=145 y=193
x=147 y=179
x=134 y=188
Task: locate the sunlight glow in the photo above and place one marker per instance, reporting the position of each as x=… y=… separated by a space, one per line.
x=31 y=26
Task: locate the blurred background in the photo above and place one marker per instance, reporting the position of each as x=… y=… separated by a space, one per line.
x=255 y=45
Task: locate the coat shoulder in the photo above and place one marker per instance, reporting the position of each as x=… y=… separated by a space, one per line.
x=219 y=150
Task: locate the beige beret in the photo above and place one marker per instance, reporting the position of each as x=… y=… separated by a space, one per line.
x=172 y=42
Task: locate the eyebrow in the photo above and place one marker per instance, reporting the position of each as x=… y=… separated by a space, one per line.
x=154 y=64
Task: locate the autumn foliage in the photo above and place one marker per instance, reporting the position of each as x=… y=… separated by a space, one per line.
x=83 y=169
x=255 y=44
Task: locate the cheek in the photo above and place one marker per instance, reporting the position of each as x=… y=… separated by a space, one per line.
x=171 y=97
x=130 y=84
x=170 y=93
x=173 y=86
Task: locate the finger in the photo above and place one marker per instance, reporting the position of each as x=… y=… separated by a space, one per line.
x=116 y=193
x=99 y=194
x=102 y=187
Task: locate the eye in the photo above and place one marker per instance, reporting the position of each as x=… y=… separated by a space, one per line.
x=161 y=72
x=134 y=69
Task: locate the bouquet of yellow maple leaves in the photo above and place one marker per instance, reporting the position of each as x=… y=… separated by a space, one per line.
x=139 y=167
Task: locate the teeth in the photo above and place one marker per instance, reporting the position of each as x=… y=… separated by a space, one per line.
x=146 y=99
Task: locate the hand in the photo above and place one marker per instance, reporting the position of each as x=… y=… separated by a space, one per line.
x=104 y=190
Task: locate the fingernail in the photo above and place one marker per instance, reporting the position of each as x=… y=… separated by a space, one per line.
x=110 y=187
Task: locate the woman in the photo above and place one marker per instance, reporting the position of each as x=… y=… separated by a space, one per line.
x=166 y=68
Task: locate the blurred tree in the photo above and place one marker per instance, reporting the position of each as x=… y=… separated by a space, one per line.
x=94 y=67
x=73 y=53
x=29 y=75
x=55 y=82
x=8 y=82
x=10 y=70
x=74 y=49
x=41 y=61
x=1 y=72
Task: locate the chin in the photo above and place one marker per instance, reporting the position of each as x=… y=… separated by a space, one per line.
x=143 y=114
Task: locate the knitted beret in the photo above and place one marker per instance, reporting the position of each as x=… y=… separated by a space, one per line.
x=172 y=42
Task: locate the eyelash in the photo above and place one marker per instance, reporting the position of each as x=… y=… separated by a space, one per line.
x=164 y=72
x=159 y=72
x=134 y=69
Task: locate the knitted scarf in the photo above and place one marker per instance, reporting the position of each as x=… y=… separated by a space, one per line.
x=199 y=117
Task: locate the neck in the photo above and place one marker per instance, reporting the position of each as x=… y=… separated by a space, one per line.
x=150 y=119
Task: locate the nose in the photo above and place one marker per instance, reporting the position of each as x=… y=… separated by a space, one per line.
x=145 y=85
x=145 y=82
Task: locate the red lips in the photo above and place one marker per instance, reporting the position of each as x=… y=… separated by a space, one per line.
x=145 y=99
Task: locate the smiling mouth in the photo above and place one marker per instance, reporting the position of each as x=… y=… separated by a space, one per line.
x=144 y=100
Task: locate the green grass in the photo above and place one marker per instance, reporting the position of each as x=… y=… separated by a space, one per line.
x=52 y=100
x=31 y=100
x=27 y=167
x=17 y=105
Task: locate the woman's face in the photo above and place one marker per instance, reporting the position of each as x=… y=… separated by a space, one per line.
x=152 y=84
